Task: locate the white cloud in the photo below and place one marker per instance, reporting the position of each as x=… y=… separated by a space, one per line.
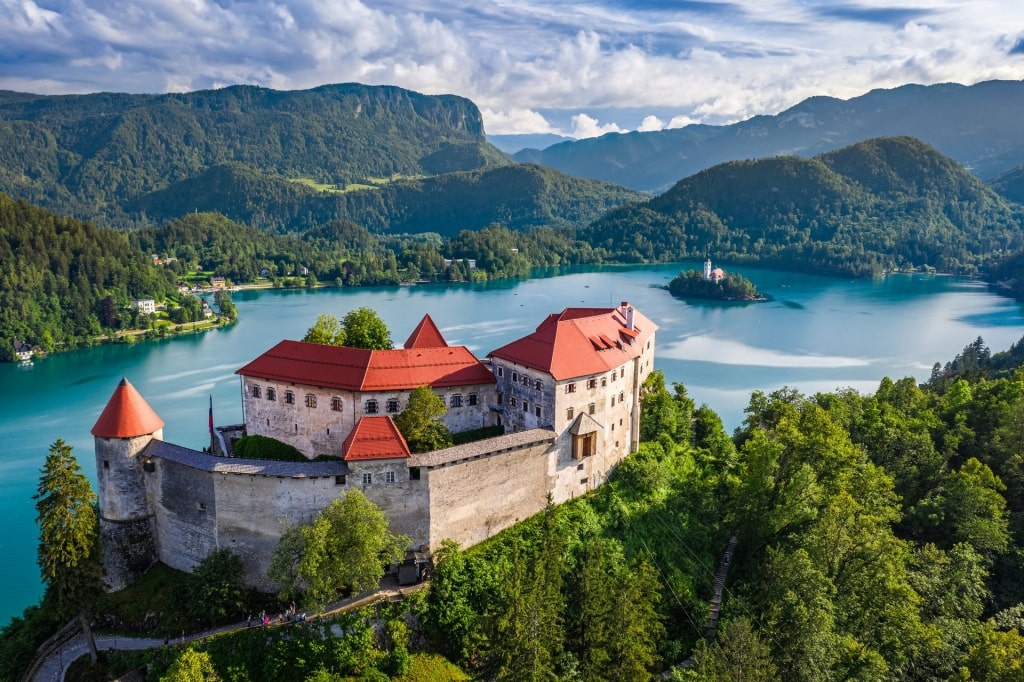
x=651 y=123
x=587 y=126
x=515 y=121
x=711 y=63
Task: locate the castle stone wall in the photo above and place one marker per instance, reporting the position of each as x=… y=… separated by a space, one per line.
x=253 y=512
x=473 y=499
x=119 y=477
x=185 y=513
x=405 y=502
x=129 y=550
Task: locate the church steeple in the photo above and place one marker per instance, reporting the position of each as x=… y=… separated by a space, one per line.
x=126 y=415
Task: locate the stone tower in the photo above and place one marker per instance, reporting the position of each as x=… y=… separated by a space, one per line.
x=125 y=427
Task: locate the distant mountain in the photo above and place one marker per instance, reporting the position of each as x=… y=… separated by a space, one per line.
x=874 y=206
x=516 y=196
x=88 y=155
x=510 y=144
x=978 y=126
x=1010 y=185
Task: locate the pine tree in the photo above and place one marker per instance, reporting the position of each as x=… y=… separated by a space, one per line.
x=69 y=548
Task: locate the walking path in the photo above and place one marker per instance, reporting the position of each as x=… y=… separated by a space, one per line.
x=55 y=666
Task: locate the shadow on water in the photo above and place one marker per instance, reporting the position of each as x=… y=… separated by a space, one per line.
x=793 y=304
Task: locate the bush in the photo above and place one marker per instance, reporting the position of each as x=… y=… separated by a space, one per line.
x=264 y=447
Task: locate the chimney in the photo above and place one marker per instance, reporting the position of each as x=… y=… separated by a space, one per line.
x=629 y=318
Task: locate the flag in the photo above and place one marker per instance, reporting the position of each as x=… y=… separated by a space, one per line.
x=211 y=414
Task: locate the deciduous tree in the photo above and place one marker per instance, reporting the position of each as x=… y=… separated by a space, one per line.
x=346 y=546
x=365 y=329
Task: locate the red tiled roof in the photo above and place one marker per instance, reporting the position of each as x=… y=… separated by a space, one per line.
x=374 y=438
x=426 y=335
x=126 y=415
x=580 y=342
x=358 y=369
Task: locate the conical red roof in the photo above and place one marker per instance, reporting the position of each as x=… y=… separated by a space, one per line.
x=126 y=415
x=426 y=335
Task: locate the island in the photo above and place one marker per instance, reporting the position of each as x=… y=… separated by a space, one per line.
x=714 y=284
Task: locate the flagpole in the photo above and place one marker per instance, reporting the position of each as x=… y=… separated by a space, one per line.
x=213 y=449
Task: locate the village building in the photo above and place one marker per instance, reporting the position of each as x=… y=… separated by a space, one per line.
x=567 y=396
x=22 y=350
x=145 y=305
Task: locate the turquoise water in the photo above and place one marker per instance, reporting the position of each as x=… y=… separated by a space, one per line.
x=818 y=334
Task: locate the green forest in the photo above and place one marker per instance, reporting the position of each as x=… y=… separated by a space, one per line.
x=63 y=283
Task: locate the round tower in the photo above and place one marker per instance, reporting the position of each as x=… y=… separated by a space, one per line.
x=125 y=427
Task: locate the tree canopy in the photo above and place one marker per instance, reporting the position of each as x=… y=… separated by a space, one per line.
x=344 y=548
x=420 y=422
x=69 y=545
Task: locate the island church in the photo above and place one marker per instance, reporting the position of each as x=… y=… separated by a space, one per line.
x=567 y=396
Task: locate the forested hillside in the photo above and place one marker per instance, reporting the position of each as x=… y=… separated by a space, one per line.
x=344 y=253
x=1010 y=185
x=977 y=125
x=62 y=281
x=519 y=197
x=883 y=204
x=86 y=155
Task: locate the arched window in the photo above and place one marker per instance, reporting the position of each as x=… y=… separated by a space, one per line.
x=256 y=392
x=310 y=400
x=371 y=407
x=336 y=404
x=289 y=397
x=271 y=393
x=393 y=405
x=456 y=400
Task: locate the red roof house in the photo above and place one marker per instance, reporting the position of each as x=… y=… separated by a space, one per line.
x=581 y=341
x=374 y=438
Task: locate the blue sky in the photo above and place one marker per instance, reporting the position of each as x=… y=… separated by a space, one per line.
x=532 y=66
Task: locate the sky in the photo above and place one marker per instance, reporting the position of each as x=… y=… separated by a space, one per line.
x=579 y=69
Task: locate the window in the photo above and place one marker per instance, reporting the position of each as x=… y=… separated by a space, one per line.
x=393 y=405
x=515 y=376
x=537 y=385
x=604 y=381
x=414 y=474
x=622 y=396
x=256 y=392
x=456 y=400
x=106 y=464
x=613 y=375
x=371 y=407
x=613 y=401
x=570 y=388
x=336 y=404
x=569 y=414
x=526 y=381
x=536 y=411
x=289 y=397
x=367 y=478
x=592 y=383
x=472 y=399
x=339 y=480
x=389 y=477
x=271 y=393
x=501 y=397
x=501 y=371
x=310 y=400
x=513 y=401
x=526 y=406
x=591 y=408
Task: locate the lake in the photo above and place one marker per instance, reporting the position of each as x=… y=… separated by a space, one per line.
x=818 y=334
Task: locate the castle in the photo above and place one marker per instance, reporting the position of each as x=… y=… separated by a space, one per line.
x=567 y=396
